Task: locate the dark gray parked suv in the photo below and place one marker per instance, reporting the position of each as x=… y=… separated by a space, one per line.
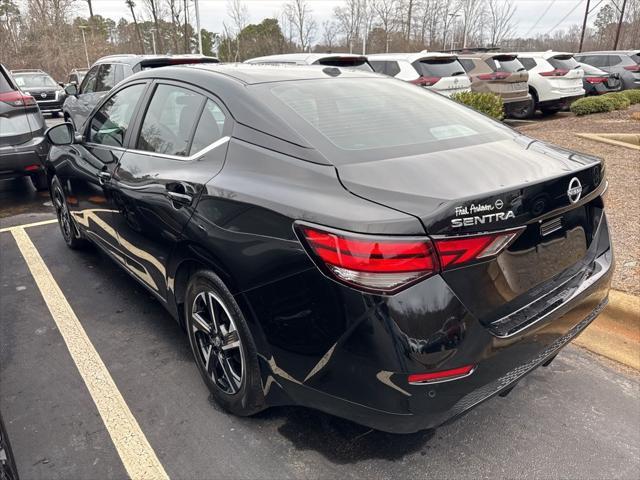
x=22 y=143
x=625 y=63
x=107 y=72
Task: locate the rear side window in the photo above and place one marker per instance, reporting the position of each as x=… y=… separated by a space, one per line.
x=346 y=62
x=89 y=82
x=170 y=121
x=467 y=64
x=106 y=77
x=210 y=127
x=439 y=67
x=527 y=63
x=110 y=123
x=505 y=64
x=563 y=62
x=5 y=86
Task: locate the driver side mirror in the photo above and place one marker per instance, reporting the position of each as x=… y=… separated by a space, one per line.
x=71 y=89
x=62 y=134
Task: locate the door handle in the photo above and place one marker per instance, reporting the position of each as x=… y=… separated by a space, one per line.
x=180 y=198
x=103 y=177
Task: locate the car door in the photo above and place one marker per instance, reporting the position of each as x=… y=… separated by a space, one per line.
x=85 y=174
x=181 y=144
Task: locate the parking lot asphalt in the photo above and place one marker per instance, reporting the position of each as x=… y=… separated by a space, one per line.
x=578 y=418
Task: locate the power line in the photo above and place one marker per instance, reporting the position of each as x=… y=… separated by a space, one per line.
x=564 y=18
x=539 y=18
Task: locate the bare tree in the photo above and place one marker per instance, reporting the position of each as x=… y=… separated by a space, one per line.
x=300 y=15
x=386 y=11
x=349 y=18
x=500 y=20
x=330 y=30
x=472 y=12
x=239 y=13
x=154 y=8
x=131 y=4
x=175 y=11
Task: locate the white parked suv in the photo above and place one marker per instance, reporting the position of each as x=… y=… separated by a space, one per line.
x=345 y=60
x=555 y=80
x=439 y=72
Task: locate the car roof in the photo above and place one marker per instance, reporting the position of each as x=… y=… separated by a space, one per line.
x=547 y=54
x=485 y=55
x=410 y=57
x=303 y=57
x=251 y=74
x=610 y=52
x=135 y=59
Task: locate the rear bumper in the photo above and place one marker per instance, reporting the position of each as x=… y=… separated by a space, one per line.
x=560 y=103
x=48 y=107
x=15 y=159
x=350 y=354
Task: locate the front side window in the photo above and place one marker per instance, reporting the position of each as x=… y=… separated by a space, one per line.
x=106 y=78
x=89 y=82
x=110 y=123
x=170 y=121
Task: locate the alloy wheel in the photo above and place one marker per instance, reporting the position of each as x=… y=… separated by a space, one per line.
x=217 y=341
x=64 y=217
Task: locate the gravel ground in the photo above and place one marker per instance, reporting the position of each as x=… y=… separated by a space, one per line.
x=623 y=173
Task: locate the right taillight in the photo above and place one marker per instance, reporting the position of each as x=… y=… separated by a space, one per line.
x=595 y=79
x=632 y=68
x=17 y=99
x=426 y=81
x=388 y=264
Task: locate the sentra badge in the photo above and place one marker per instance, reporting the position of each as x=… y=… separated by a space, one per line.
x=480 y=213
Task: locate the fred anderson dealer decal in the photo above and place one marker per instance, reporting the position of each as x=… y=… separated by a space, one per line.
x=481 y=213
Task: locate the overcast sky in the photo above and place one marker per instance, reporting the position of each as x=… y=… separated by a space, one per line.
x=213 y=12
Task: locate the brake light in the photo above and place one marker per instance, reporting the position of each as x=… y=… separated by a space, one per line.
x=386 y=264
x=373 y=263
x=442 y=376
x=17 y=99
x=595 y=79
x=632 y=68
x=558 y=72
x=455 y=251
x=426 y=81
x=494 y=76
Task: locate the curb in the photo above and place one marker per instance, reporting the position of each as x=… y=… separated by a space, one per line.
x=615 y=334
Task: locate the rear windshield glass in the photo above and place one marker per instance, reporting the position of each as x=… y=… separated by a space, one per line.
x=505 y=64
x=381 y=115
x=564 y=62
x=357 y=63
x=439 y=67
x=34 y=81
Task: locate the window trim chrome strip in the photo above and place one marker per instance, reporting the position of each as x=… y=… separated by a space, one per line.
x=195 y=156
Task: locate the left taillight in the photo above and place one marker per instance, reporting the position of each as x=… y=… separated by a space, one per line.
x=558 y=72
x=388 y=264
x=17 y=99
x=369 y=262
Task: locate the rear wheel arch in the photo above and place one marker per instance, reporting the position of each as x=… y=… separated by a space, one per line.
x=534 y=94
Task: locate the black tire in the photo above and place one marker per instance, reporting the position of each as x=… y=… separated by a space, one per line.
x=70 y=232
x=40 y=182
x=55 y=114
x=241 y=396
x=523 y=113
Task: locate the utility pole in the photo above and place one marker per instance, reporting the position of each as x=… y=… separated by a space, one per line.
x=453 y=30
x=584 y=25
x=153 y=39
x=615 y=44
x=84 y=41
x=198 y=26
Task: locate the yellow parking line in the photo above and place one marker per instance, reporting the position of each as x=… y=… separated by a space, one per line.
x=134 y=449
x=27 y=225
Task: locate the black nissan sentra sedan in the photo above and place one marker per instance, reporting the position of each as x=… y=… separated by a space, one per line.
x=338 y=239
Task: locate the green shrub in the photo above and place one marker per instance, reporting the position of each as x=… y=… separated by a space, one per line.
x=632 y=95
x=487 y=103
x=621 y=102
x=588 y=105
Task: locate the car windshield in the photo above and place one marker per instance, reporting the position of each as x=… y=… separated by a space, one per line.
x=505 y=63
x=5 y=86
x=439 y=67
x=379 y=114
x=563 y=62
x=34 y=80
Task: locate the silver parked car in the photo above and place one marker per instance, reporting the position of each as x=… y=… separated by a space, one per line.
x=625 y=63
